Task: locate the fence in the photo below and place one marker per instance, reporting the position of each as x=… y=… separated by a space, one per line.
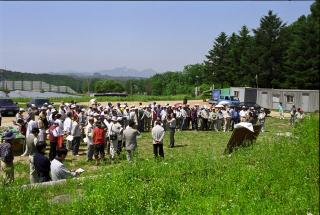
x=37 y=86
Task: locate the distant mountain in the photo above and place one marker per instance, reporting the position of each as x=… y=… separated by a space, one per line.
x=119 y=73
x=124 y=71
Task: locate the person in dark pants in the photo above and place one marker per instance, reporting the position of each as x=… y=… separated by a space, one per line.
x=76 y=133
x=172 y=129
x=157 y=139
x=53 y=138
x=99 y=136
x=42 y=163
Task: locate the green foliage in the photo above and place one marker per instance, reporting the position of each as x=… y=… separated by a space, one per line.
x=302 y=55
x=107 y=86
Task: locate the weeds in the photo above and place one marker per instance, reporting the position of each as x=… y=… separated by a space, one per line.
x=278 y=175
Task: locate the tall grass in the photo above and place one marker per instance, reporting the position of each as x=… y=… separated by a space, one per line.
x=277 y=175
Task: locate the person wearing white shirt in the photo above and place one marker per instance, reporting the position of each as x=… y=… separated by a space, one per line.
x=67 y=126
x=157 y=139
x=31 y=124
x=119 y=129
x=183 y=119
x=243 y=114
x=89 y=136
x=227 y=119
x=49 y=113
x=58 y=170
x=76 y=134
x=133 y=116
x=62 y=111
x=113 y=134
x=262 y=119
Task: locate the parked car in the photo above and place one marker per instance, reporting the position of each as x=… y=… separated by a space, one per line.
x=256 y=106
x=8 y=107
x=39 y=102
x=229 y=100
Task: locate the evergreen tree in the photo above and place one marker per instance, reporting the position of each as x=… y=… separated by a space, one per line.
x=302 y=56
x=270 y=46
x=216 y=61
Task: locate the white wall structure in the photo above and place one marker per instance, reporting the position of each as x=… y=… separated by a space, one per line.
x=308 y=100
x=36 y=86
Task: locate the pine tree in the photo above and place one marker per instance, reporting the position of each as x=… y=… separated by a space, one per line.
x=216 y=60
x=269 y=51
x=302 y=56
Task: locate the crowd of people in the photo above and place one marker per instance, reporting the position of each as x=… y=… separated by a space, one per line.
x=110 y=130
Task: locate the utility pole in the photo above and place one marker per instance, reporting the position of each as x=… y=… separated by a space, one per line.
x=88 y=83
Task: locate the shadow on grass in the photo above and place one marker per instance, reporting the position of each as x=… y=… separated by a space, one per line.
x=182 y=145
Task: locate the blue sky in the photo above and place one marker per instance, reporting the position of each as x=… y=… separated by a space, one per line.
x=92 y=36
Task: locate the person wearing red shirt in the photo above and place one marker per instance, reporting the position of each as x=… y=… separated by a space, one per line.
x=99 y=136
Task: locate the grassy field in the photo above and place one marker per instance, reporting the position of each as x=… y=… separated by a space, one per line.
x=277 y=175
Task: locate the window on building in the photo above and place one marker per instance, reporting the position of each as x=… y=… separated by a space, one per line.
x=236 y=93
x=290 y=99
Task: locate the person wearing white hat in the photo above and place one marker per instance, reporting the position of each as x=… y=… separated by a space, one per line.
x=204 y=114
x=140 y=116
x=19 y=115
x=62 y=111
x=243 y=114
x=119 y=129
x=219 y=118
x=227 y=119
x=125 y=116
x=67 y=127
x=53 y=132
x=163 y=117
x=252 y=115
x=262 y=119
x=147 y=118
x=113 y=134
x=49 y=112
x=89 y=138
x=133 y=115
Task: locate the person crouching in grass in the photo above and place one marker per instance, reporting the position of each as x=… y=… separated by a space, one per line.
x=57 y=168
x=99 y=136
x=6 y=158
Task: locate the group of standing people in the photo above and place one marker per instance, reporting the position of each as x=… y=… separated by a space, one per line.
x=295 y=113
x=110 y=129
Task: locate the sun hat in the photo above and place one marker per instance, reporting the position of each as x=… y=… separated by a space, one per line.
x=9 y=135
